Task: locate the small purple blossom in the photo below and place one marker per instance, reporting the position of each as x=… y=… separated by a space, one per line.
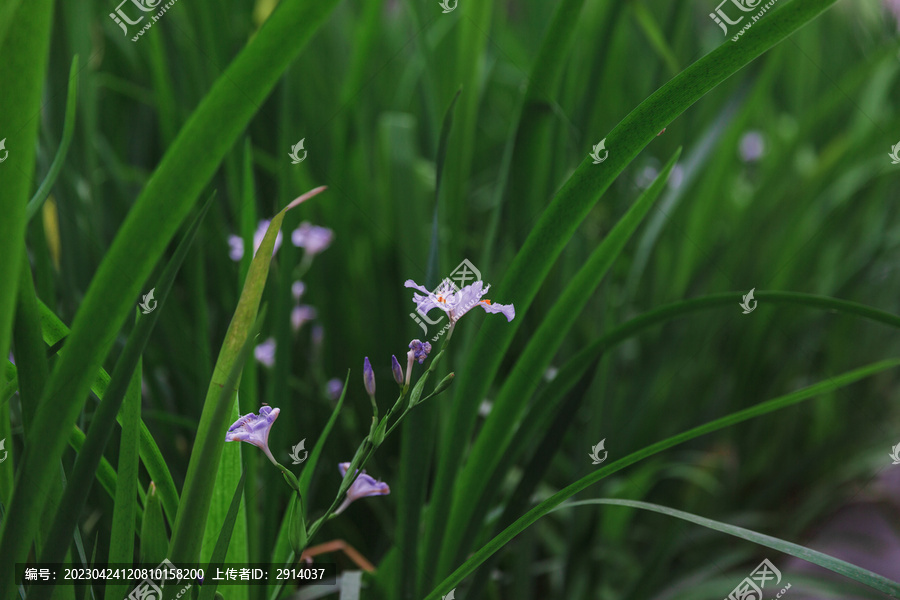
x=335 y=388
x=265 y=352
x=369 y=377
x=254 y=429
x=457 y=303
x=297 y=289
x=397 y=370
x=364 y=486
x=420 y=350
x=302 y=313
x=235 y=248
x=312 y=238
x=752 y=146
x=893 y=6
x=236 y=243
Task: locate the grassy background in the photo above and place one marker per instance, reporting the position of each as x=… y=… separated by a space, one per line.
x=368 y=92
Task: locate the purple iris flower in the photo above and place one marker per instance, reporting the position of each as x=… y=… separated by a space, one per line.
x=752 y=146
x=335 y=388
x=301 y=314
x=265 y=352
x=297 y=289
x=457 y=303
x=254 y=429
x=420 y=350
x=369 y=377
x=363 y=486
x=235 y=247
x=893 y=6
x=312 y=238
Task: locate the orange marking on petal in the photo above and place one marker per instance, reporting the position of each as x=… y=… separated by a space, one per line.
x=486 y=301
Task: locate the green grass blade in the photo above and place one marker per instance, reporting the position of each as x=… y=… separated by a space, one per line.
x=164 y=202
x=864 y=576
x=26 y=47
x=558 y=498
x=121 y=537
x=573 y=202
x=492 y=441
x=154 y=541
x=34 y=205
x=208 y=591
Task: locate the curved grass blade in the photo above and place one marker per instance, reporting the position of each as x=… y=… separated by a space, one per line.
x=864 y=576
x=558 y=498
x=573 y=202
x=121 y=537
x=207 y=592
x=165 y=201
x=496 y=433
x=34 y=205
x=26 y=48
x=200 y=481
x=98 y=436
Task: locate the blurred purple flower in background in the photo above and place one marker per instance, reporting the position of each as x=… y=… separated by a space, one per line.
x=752 y=146
x=365 y=485
x=893 y=6
x=236 y=242
x=297 y=289
x=335 y=388
x=312 y=238
x=302 y=313
x=265 y=352
x=254 y=429
x=235 y=248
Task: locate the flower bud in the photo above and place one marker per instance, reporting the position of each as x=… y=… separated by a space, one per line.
x=369 y=377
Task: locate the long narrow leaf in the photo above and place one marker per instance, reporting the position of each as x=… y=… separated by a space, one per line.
x=864 y=576
x=558 y=498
